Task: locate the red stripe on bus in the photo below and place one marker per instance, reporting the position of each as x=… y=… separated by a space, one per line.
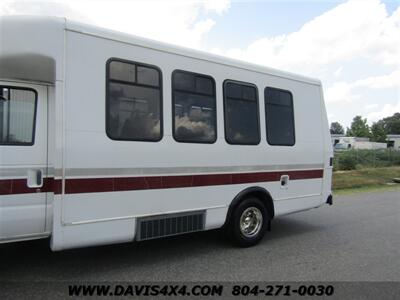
x=19 y=186
x=99 y=185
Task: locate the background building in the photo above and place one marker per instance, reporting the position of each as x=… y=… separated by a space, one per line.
x=393 y=141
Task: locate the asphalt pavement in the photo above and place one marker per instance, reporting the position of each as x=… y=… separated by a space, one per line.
x=356 y=239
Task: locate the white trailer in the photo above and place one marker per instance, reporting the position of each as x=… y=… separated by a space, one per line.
x=109 y=138
x=393 y=141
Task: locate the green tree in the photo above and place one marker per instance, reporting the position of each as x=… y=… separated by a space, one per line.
x=392 y=124
x=358 y=128
x=378 y=132
x=336 y=128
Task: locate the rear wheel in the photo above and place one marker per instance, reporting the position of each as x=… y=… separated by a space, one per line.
x=248 y=222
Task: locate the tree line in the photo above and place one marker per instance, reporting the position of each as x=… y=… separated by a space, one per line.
x=377 y=132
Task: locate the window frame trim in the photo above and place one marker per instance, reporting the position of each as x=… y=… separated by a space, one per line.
x=292 y=114
x=194 y=93
x=226 y=81
x=34 y=116
x=160 y=88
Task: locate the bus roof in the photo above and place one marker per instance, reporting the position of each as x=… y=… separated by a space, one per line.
x=38 y=26
x=187 y=52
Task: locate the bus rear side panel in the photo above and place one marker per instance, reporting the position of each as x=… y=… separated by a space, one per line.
x=111 y=184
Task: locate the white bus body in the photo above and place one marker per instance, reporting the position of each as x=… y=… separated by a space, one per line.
x=63 y=176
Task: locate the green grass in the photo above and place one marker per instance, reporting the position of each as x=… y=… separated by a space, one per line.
x=360 y=159
x=364 y=180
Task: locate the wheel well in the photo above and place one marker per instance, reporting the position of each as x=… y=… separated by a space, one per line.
x=258 y=192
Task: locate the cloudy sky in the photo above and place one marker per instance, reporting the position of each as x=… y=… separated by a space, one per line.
x=353 y=46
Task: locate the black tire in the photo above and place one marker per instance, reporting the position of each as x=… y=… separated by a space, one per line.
x=236 y=234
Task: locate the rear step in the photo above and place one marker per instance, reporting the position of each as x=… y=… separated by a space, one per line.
x=171 y=224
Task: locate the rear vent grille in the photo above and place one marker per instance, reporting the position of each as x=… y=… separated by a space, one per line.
x=167 y=225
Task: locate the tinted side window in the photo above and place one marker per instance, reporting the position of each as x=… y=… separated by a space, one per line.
x=194 y=107
x=279 y=117
x=133 y=101
x=17 y=116
x=241 y=113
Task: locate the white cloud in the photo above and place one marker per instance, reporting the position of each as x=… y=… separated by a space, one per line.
x=331 y=118
x=338 y=72
x=380 y=82
x=340 y=92
x=177 y=21
x=355 y=29
x=219 y=6
x=346 y=92
x=202 y=27
x=387 y=110
x=371 y=106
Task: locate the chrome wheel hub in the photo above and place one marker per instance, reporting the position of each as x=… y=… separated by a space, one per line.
x=251 y=221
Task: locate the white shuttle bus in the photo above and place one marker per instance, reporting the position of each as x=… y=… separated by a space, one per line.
x=109 y=138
